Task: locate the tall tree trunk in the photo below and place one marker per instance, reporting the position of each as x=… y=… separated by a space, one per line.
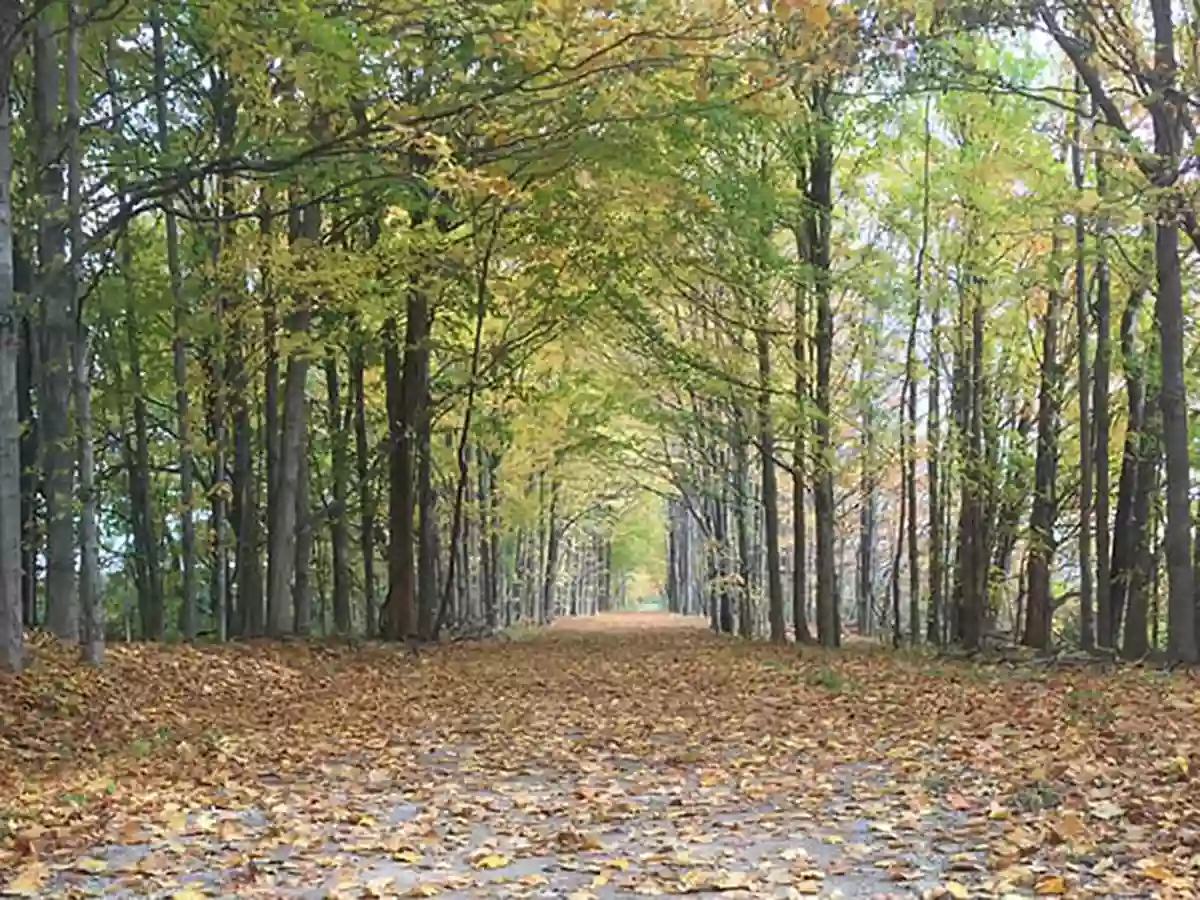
x=150 y=600
x=427 y=524
x=770 y=488
x=225 y=112
x=179 y=347
x=398 y=615
x=1181 y=603
x=553 y=540
x=741 y=518
x=1040 y=615
x=865 y=599
x=12 y=650
x=91 y=601
x=933 y=628
x=1123 y=549
x=58 y=329
x=302 y=591
x=339 y=533
x=799 y=452
x=276 y=607
x=1087 y=622
x=293 y=442
x=820 y=196
x=1142 y=573
x=366 y=496
x=493 y=502
x=27 y=448
x=910 y=381
x=1105 y=635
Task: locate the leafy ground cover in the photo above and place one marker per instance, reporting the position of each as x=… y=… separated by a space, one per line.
x=623 y=756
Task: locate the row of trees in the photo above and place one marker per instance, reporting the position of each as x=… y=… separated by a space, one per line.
x=386 y=318
x=282 y=339
x=969 y=378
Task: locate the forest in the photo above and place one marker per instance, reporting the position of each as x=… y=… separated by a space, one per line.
x=411 y=319
x=599 y=448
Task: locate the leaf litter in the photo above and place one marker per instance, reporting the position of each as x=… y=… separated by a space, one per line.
x=625 y=757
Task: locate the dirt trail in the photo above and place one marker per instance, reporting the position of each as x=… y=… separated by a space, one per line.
x=624 y=756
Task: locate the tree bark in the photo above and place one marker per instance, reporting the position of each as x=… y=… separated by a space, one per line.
x=366 y=496
x=1040 y=611
x=58 y=329
x=179 y=346
x=339 y=534
x=1087 y=622
x=820 y=197
x=302 y=591
x=1102 y=311
x=12 y=638
x=293 y=444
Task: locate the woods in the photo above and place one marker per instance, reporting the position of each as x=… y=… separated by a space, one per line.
x=405 y=321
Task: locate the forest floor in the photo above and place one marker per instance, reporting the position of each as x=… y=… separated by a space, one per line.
x=619 y=757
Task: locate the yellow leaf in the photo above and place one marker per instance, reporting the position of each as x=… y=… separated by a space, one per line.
x=816 y=13
x=1050 y=886
x=492 y=861
x=410 y=857
x=189 y=893
x=91 y=865
x=956 y=890
x=808 y=886
x=424 y=890
x=28 y=881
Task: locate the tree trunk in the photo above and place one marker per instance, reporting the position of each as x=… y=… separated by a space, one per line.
x=1181 y=602
x=1105 y=634
x=339 y=534
x=820 y=196
x=865 y=599
x=1040 y=615
x=12 y=650
x=1141 y=574
x=293 y=444
x=179 y=347
x=770 y=488
x=91 y=602
x=553 y=539
x=398 y=615
x=276 y=611
x=799 y=462
x=58 y=328
x=366 y=498
x=741 y=519
x=1087 y=622
x=934 y=617
x=427 y=530
x=302 y=592
x=1123 y=551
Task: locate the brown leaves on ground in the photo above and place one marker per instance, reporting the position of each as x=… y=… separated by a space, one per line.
x=613 y=757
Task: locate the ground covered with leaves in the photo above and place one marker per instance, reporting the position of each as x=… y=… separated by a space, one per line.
x=629 y=756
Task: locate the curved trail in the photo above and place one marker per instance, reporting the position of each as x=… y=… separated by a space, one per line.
x=624 y=756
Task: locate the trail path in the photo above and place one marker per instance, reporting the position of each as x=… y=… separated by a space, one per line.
x=619 y=757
